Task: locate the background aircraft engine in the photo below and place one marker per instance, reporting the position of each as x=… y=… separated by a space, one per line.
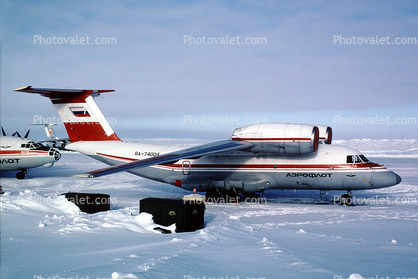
x=280 y=138
x=325 y=134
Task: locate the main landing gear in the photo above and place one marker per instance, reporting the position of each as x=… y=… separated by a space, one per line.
x=227 y=196
x=212 y=194
x=21 y=174
x=347 y=199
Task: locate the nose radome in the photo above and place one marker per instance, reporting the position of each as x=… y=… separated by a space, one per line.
x=57 y=155
x=398 y=179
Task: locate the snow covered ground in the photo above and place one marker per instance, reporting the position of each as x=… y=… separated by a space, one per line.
x=292 y=235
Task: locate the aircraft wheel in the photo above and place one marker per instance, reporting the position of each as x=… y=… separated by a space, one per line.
x=231 y=197
x=212 y=195
x=345 y=199
x=20 y=175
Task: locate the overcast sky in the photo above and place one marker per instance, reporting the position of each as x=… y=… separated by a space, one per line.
x=293 y=61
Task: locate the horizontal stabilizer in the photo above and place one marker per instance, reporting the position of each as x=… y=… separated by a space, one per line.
x=48 y=92
x=188 y=153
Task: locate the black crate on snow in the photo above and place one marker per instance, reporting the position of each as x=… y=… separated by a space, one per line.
x=90 y=203
x=188 y=215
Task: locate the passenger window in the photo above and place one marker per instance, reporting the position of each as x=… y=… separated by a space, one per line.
x=349 y=159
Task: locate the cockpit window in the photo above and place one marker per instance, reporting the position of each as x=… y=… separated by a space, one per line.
x=36 y=145
x=364 y=158
x=356 y=159
x=31 y=144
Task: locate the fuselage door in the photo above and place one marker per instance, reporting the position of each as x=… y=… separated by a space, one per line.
x=186 y=167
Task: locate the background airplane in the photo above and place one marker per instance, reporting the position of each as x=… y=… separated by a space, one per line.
x=257 y=157
x=52 y=140
x=17 y=153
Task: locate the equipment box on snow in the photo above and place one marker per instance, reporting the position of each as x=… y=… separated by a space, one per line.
x=90 y=203
x=188 y=215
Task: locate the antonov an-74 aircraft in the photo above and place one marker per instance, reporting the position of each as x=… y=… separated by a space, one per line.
x=257 y=157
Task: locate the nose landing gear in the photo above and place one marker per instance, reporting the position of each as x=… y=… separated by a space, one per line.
x=21 y=174
x=347 y=199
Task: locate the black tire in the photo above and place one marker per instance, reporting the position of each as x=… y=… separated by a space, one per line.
x=231 y=197
x=345 y=199
x=20 y=175
x=212 y=195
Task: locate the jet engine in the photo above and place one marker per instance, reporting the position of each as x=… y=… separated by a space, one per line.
x=325 y=134
x=280 y=138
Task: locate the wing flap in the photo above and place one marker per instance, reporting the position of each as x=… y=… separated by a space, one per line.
x=188 y=153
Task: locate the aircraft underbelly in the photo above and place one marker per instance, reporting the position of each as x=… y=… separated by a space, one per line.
x=24 y=162
x=9 y=163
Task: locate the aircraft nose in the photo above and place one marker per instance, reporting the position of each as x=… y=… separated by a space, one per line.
x=385 y=179
x=55 y=154
x=398 y=179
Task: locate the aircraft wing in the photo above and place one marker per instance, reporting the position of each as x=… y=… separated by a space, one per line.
x=188 y=153
x=55 y=140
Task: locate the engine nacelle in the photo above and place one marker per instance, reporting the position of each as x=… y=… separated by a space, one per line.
x=325 y=134
x=280 y=138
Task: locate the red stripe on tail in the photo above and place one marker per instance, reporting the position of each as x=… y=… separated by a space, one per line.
x=87 y=131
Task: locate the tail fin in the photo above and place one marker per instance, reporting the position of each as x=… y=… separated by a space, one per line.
x=82 y=117
x=50 y=134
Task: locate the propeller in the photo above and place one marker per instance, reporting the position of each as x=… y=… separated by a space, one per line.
x=15 y=133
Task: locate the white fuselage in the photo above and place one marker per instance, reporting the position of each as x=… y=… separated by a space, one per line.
x=326 y=169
